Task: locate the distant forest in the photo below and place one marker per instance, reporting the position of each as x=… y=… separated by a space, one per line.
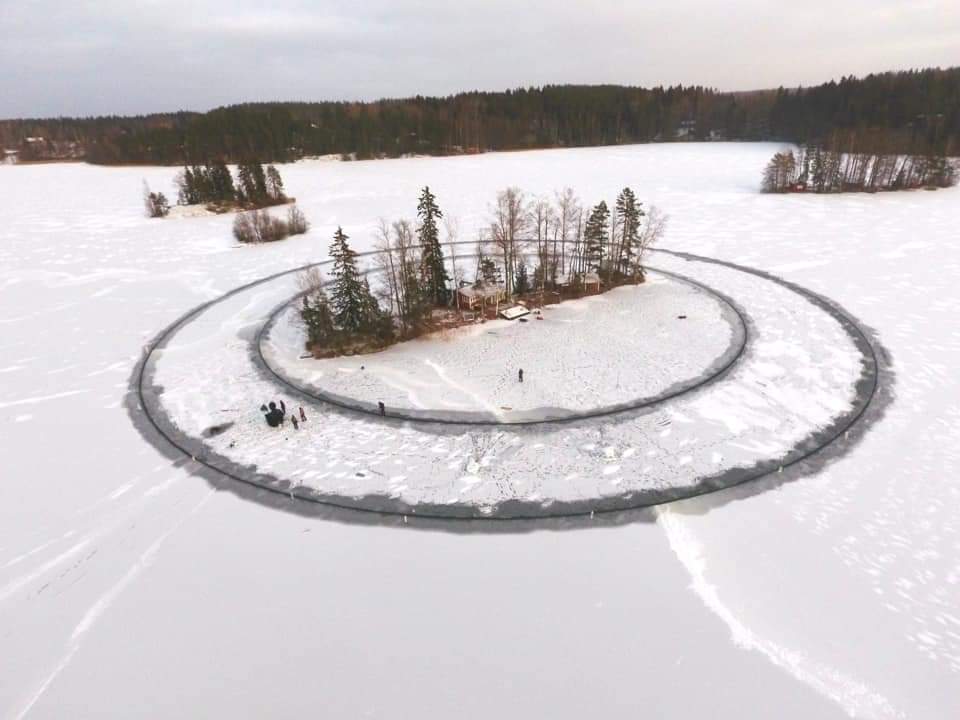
x=898 y=112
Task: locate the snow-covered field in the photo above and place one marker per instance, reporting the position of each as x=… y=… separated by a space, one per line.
x=131 y=588
x=580 y=356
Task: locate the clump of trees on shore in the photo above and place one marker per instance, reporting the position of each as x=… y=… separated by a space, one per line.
x=566 y=242
x=533 y=250
x=213 y=185
x=869 y=167
x=350 y=319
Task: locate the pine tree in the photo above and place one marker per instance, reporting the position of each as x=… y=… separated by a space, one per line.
x=184 y=190
x=259 y=181
x=221 y=182
x=348 y=297
x=596 y=236
x=432 y=268
x=629 y=212
x=252 y=183
x=246 y=187
x=275 y=184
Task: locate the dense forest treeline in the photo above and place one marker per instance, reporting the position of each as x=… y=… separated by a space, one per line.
x=911 y=111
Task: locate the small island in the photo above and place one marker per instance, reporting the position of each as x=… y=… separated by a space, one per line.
x=533 y=253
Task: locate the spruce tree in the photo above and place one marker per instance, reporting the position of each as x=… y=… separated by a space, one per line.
x=416 y=303
x=596 y=236
x=317 y=318
x=432 y=268
x=376 y=322
x=489 y=272
x=348 y=297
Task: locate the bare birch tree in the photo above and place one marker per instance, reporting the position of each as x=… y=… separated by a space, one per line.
x=510 y=222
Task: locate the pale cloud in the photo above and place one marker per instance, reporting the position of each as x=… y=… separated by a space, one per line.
x=116 y=56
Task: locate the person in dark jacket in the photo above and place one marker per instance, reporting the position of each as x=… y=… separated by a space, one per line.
x=520 y=374
x=274 y=416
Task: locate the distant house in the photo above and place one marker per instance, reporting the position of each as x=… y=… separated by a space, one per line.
x=476 y=297
x=591 y=281
x=686 y=129
x=9 y=157
x=718 y=135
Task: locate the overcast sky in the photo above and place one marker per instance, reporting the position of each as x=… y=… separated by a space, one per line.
x=82 y=57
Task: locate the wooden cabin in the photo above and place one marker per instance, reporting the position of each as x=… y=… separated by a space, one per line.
x=477 y=297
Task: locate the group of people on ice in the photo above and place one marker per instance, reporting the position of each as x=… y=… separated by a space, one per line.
x=275 y=416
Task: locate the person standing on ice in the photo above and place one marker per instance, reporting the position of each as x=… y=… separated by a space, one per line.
x=520 y=374
x=274 y=416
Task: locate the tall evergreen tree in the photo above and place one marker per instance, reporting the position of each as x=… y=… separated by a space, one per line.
x=348 y=298
x=252 y=182
x=275 y=184
x=432 y=268
x=416 y=303
x=629 y=212
x=187 y=192
x=596 y=235
x=489 y=271
x=317 y=318
x=221 y=182
x=376 y=322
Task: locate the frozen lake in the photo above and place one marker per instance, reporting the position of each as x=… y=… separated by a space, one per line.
x=580 y=357
x=131 y=588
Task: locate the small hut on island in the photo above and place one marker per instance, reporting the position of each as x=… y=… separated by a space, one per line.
x=481 y=295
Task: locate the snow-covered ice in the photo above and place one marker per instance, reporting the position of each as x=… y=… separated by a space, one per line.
x=580 y=356
x=131 y=588
x=798 y=374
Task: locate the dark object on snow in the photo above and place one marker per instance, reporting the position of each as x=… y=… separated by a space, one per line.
x=681 y=317
x=383 y=408
x=296 y=423
x=274 y=416
x=303 y=415
x=522 y=319
x=362 y=367
x=520 y=374
x=215 y=430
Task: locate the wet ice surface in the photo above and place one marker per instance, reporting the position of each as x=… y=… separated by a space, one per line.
x=581 y=355
x=128 y=589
